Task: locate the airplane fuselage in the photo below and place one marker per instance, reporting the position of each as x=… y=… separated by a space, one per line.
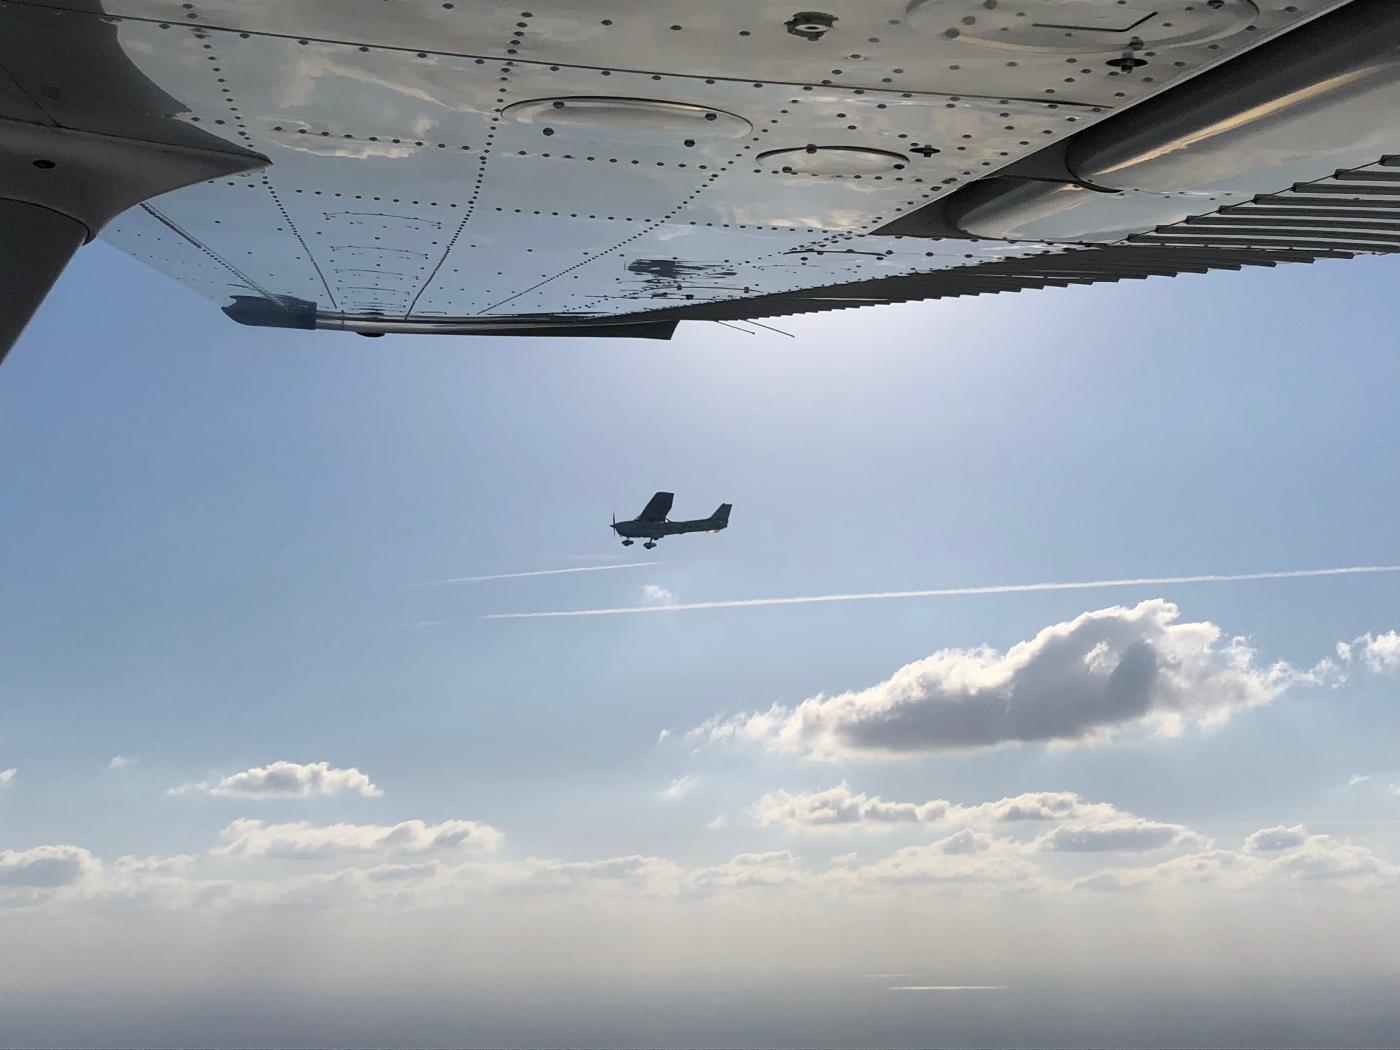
x=655 y=530
x=652 y=524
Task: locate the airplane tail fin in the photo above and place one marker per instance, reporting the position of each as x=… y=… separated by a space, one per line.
x=720 y=518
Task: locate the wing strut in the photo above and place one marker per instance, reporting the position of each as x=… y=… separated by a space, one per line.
x=59 y=187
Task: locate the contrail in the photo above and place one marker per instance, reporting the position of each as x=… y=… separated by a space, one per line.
x=950 y=592
x=545 y=572
x=949 y=988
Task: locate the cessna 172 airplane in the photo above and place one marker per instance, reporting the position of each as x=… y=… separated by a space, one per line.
x=651 y=523
x=610 y=168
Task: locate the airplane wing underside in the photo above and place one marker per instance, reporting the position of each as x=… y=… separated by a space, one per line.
x=601 y=167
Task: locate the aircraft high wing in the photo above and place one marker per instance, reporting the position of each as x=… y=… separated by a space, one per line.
x=610 y=168
x=657 y=507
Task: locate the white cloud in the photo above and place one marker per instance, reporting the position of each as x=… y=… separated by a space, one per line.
x=1279 y=856
x=287 y=780
x=1040 y=806
x=965 y=859
x=747 y=870
x=1211 y=869
x=840 y=809
x=653 y=594
x=1083 y=826
x=1358 y=779
x=121 y=762
x=1120 y=836
x=1322 y=858
x=680 y=787
x=1380 y=653
x=304 y=841
x=633 y=874
x=45 y=867
x=138 y=867
x=1276 y=839
x=7 y=777
x=1082 y=681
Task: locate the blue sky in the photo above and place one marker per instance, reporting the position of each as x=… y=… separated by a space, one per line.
x=222 y=545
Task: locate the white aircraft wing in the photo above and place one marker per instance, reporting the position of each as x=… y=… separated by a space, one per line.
x=601 y=167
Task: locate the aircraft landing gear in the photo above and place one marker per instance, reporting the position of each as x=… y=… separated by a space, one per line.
x=649 y=544
x=627 y=543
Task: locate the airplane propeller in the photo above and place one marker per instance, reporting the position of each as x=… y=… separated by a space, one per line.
x=625 y=542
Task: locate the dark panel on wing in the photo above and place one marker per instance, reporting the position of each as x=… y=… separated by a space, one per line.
x=657 y=507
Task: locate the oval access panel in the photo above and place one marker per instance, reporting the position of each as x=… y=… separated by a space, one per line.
x=832 y=160
x=629 y=117
x=1081 y=26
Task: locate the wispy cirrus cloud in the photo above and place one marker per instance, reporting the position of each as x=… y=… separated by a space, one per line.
x=280 y=780
x=7 y=776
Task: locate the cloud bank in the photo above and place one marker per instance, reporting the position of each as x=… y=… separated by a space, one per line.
x=1083 y=681
x=1279 y=857
x=416 y=864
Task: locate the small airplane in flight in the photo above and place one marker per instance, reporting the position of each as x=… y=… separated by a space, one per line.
x=651 y=523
